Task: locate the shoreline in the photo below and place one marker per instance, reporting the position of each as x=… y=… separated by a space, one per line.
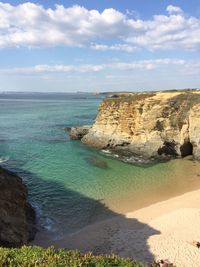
x=186 y=178
x=160 y=231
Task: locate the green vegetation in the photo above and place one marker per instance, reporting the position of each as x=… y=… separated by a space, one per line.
x=179 y=106
x=28 y=256
x=130 y=98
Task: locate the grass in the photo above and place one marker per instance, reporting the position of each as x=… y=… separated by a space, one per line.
x=34 y=256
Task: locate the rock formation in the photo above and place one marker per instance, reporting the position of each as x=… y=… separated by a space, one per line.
x=17 y=217
x=77 y=133
x=153 y=124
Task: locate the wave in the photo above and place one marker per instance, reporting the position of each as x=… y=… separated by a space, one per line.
x=106 y=151
x=43 y=221
x=3 y=159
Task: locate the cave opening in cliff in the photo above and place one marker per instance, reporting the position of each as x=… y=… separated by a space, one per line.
x=186 y=149
x=168 y=148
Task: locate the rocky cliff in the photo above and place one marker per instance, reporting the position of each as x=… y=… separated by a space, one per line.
x=149 y=124
x=17 y=217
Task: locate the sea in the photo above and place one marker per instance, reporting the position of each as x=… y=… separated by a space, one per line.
x=71 y=185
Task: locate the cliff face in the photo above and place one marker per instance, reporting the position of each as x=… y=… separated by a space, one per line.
x=149 y=124
x=17 y=217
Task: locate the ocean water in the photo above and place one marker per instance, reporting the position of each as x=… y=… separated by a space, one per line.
x=70 y=184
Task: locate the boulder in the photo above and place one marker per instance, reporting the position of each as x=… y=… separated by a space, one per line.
x=77 y=133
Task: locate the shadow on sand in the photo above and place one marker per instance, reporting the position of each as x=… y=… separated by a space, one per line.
x=75 y=221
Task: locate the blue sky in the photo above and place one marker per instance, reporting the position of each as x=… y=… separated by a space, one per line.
x=69 y=46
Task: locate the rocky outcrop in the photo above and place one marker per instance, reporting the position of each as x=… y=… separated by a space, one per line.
x=17 y=217
x=149 y=124
x=77 y=133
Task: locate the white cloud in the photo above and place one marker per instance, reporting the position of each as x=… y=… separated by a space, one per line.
x=37 y=69
x=168 y=32
x=133 y=13
x=91 y=68
x=115 y=47
x=146 y=64
x=32 y=25
x=173 y=9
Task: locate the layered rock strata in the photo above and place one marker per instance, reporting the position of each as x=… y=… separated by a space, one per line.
x=17 y=217
x=149 y=124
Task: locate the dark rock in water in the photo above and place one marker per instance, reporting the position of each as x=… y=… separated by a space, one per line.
x=77 y=133
x=17 y=217
x=67 y=129
x=95 y=161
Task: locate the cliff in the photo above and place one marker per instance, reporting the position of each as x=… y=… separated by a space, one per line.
x=17 y=217
x=153 y=124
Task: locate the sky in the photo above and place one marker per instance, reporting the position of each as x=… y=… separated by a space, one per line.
x=99 y=45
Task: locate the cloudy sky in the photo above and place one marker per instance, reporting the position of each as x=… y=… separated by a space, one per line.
x=99 y=45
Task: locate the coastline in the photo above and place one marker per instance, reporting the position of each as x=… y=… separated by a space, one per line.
x=160 y=231
x=139 y=229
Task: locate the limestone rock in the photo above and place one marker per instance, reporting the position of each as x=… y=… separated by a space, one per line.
x=77 y=133
x=17 y=217
x=194 y=130
x=149 y=124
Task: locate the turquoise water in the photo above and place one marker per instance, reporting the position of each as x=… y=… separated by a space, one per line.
x=67 y=188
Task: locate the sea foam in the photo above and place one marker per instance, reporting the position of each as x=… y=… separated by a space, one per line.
x=3 y=159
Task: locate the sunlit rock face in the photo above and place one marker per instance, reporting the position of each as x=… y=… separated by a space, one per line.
x=149 y=124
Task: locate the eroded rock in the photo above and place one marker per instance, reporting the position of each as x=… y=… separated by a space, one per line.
x=17 y=217
x=77 y=133
x=149 y=124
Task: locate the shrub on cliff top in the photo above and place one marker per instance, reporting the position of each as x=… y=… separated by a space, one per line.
x=130 y=98
x=28 y=256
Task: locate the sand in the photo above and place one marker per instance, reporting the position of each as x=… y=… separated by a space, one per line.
x=161 y=231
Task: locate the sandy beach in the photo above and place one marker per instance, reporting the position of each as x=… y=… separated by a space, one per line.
x=161 y=231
